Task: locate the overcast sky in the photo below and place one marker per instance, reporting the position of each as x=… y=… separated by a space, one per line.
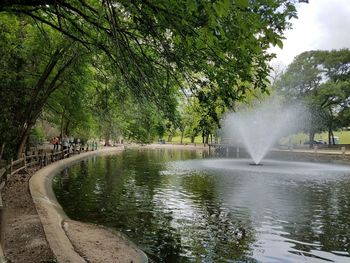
x=322 y=25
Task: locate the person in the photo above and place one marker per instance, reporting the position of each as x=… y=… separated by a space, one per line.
x=57 y=142
x=65 y=142
x=71 y=143
x=53 y=140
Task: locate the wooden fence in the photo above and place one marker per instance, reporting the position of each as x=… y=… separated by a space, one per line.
x=39 y=159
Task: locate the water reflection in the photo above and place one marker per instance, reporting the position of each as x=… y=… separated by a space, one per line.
x=195 y=212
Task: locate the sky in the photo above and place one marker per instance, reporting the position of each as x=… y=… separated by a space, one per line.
x=321 y=25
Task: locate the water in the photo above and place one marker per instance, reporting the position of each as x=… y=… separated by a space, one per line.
x=179 y=207
x=259 y=128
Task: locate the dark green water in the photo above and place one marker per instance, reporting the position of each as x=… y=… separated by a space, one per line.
x=178 y=207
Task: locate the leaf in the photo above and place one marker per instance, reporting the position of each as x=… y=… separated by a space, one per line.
x=242 y=3
x=279 y=43
x=222 y=7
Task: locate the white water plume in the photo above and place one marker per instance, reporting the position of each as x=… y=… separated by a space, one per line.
x=260 y=127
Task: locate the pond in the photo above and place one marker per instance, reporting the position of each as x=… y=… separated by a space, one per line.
x=179 y=206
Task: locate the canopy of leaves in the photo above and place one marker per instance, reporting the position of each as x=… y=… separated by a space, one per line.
x=152 y=49
x=149 y=41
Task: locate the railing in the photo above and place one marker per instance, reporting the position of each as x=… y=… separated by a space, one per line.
x=40 y=159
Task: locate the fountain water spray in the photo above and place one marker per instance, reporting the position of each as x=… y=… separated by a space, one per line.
x=260 y=127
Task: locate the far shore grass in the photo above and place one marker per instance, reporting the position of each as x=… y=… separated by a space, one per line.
x=300 y=138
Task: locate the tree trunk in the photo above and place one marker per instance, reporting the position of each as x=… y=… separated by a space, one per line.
x=311 y=139
x=192 y=138
x=2 y=150
x=22 y=141
x=66 y=128
x=62 y=123
x=330 y=135
x=206 y=138
x=182 y=136
x=107 y=137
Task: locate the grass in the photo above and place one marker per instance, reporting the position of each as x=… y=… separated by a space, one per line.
x=177 y=139
x=300 y=138
x=344 y=137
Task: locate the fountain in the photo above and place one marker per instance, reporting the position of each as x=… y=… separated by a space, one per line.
x=259 y=128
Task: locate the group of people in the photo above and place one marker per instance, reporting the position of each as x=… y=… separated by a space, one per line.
x=73 y=144
x=65 y=142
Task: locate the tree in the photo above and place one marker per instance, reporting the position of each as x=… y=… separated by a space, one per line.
x=36 y=61
x=70 y=106
x=203 y=112
x=320 y=79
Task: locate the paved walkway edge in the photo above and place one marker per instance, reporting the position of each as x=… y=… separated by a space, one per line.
x=50 y=211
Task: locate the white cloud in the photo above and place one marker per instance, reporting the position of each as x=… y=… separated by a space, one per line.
x=322 y=24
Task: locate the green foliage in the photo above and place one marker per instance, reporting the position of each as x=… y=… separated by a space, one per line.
x=37 y=135
x=36 y=61
x=225 y=41
x=202 y=114
x=92 y=63
x=321 y=80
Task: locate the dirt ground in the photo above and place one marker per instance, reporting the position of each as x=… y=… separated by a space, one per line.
x=22 y=235
x=99 y=245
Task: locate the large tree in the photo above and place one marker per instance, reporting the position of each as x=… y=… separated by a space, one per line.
x=36 y=62
x=321 y=80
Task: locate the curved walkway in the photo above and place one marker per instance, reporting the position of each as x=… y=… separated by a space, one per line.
x=73 y=241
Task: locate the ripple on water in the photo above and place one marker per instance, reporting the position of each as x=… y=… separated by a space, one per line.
x=216 y=210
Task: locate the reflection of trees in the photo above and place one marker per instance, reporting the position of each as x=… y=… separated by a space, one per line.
x=135 y=202
x=125 y=192
x=216 y=234
x=119 y=192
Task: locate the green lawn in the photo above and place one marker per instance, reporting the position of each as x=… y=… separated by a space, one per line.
x=177 y=139
x=300 y=138
x=344 y=136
